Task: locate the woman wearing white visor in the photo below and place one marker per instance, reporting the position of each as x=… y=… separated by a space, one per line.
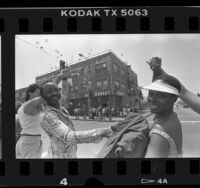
x=191 y=99
x=166 y=131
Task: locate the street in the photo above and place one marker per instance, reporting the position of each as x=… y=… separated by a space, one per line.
x=190 y=127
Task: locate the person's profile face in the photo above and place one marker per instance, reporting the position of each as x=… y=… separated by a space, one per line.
x=51 y=93
x=36 y=93
x=160 y=102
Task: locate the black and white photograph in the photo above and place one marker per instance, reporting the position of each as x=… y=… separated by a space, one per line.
x=107 y=96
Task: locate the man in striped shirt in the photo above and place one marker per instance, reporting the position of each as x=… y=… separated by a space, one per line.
x=56 y=123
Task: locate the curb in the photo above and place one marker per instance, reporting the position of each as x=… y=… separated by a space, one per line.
x=96 y=120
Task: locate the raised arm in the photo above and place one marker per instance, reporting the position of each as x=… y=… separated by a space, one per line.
x=155 y=66
x=64 y=74
x=192 y=100
x=33 y=107
x=57 y=128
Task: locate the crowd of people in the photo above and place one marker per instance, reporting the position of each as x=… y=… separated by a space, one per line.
x=42 y=110
x=99 y=114
x=102 y=113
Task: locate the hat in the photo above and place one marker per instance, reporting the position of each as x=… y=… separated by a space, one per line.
x=159 y=85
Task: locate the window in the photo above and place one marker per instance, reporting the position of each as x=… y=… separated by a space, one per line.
x=123 y=86
x=116 y=84
x=101 y=67
x=116 y=68
x=103 y=84
x=82 y=85
x=133 y=91
x=76 y=88
x=89 y=84
x=122 y=72
x=98 y=84
x=82 y=71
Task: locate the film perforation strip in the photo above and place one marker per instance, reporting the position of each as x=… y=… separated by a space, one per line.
x=2 y=169
x=97 y=168
x=121 y=167
x=193 y=23
x=24 y=168
x=96 y=24
x=170 y=167
x=144 y=24
x=49 y=168
x=72 y=24
x=146 y=167
x=169 y=23
x=120 y=24
x=73 y=168
x=23 y=25
x=47 y=24
x=2 y=23
x=194 y=167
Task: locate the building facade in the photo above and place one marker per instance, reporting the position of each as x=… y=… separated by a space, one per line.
x=20 y=95
x=101 y=80
x=104 y=80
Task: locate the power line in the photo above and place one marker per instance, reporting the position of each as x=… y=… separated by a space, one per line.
x=27 y=42
x=41 y=48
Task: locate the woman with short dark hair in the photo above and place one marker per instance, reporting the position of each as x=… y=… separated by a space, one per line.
x=29 y=144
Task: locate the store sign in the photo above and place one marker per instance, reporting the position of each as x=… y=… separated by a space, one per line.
x=102 y=93
x=120 y=93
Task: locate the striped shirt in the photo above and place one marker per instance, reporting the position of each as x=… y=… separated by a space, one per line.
x=63 y=137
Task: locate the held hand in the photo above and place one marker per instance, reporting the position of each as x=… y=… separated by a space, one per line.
x=117 y=127
x=118 y=152
x=64 y=74
x=107 y=132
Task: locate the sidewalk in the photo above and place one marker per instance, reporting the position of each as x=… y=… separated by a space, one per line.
x=114 y=119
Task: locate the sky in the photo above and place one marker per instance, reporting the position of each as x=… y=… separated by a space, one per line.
x=180 y=54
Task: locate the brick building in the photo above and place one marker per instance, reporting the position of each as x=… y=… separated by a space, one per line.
x=108 y=80
x=101 y=79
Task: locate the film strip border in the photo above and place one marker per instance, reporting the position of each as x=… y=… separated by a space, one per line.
x=102 y=172
x=87 y=171
x=128 y=20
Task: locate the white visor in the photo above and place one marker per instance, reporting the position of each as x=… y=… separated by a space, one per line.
x=158 y=85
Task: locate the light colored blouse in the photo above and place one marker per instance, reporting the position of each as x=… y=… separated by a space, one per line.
x=30 y=124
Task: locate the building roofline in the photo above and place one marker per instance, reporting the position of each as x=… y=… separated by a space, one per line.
x=97 y=55
x=85 y=60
